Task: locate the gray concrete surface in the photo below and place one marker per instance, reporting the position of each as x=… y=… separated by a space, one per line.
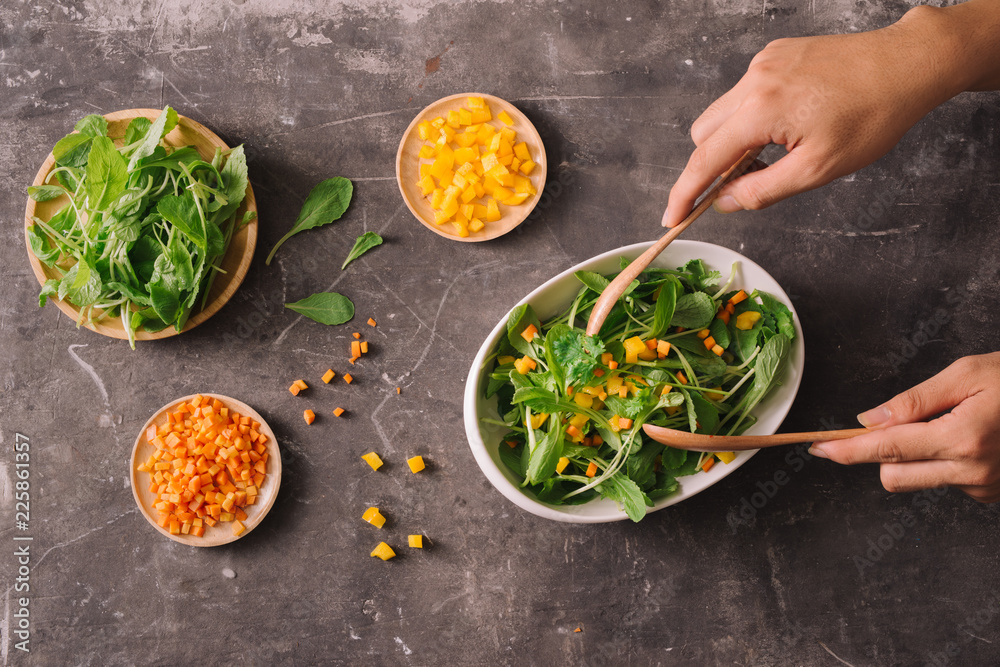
x=317 y=89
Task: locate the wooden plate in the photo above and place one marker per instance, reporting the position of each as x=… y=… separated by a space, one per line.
x=236 y=263
x=408 y=167
x=222 y=533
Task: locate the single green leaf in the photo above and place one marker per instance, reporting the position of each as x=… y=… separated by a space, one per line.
x=45 y=192
x=720 y=332
x=72 y=150
x=92 y=126
x=693 y=311
x=781 y=313
x=136 y=129
x=182 y=212
x=625 y=492
x=543 y=458
x=40 y=247
x=106 y=174
x=50 y=288
x=165 y=301
x=325 y=308
x=325 y=203
x=706 y=414
x=666 y=304
x=511 y=456
x=572 y=355
x=593 y=281
x=365 y=242
x=234 y=174
x=166 y=121
x=518 y=320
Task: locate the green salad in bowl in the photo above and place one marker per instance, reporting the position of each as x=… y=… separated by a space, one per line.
x=686 y=347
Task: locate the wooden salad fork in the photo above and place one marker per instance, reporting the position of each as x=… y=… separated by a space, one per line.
x=614 y=291
x=735 y=443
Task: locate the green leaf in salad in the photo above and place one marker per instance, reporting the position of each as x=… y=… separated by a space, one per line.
x=106 y=174
x=326 y=202
x=45 y=192
x=622 y=490
x=572 y=355
x=517 y=321
x=694 y=310
x=325 y=308
x=363 y=244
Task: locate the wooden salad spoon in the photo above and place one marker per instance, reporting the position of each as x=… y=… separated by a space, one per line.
x=614 y=291
x=735 y=443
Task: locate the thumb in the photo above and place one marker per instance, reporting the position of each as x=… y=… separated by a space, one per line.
x=929 y=398
x=786 y=177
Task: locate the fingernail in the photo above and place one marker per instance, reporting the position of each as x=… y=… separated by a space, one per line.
x=818 y=452
x=726 y=204
x=874 y=417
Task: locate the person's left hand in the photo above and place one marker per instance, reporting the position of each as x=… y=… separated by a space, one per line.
x=960 y=448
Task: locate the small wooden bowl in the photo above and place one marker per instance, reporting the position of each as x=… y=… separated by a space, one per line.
x=222 y=533
x=408 y=167
x=236 y=262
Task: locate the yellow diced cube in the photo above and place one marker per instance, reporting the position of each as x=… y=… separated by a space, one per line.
x=425 y=169
x=514 y=200
x=521 y=151
x=437 y=197
x=426 y=185
x=514 y=164
x=416 y=463
x=726 y=457
x=480 y=190
x=373 y=516
x=466 y=139
x=442 y=166
x=479 y=211
x=438 y=123
x=415 y=541
x=372 y=459
x=495 y=143
x=489 y=161
x=502 y=194
x=426 y=152
x=492 y=210
x=561 y=465
x=383 y=551
x=454 y=120
x=448 y=133
x=497 y=171
x=505 y=148
x=468 y=194
x=464 y=117
x=467 y=211
x=466 y=155
x=506 y=160
x=458 y=181
x=473 y=129
x=527 y=167
x=482 y=115
x=505 y=118
x=461 y=229
x=466 y=170
x=485 y=135
x=426 y=130
x=475 y=224
x=475 y=102
x=509 y=135
x=440 y=217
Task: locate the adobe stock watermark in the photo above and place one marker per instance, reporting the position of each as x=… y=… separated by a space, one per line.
x=744 y=513
x=927 y=328
x=893 y=532
x=969 y=629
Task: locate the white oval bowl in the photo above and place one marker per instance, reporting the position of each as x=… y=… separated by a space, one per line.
x=555 y=296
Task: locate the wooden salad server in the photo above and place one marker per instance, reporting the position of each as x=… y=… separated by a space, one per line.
x=735 y=443
x=614 y=291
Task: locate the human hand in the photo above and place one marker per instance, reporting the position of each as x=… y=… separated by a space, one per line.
x=837 y=103
x=960 y=448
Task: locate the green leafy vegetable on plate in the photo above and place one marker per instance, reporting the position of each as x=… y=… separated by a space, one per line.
x=146 y=225
x=675 y=351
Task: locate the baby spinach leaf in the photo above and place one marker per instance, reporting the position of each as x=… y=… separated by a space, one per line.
x=518 y=320
x=325 y=308
x=165 y=301
x=699 y=277
x=92 y=125
x=234 y=173
x=782 y=316
x=50 y=288
x=693 y=311
x=666 y=304
x=326 y=202
x=164 y=123
x=136 y=129
x=40 y=247
x=72 y=150
x=512 y=458
x=365 y=242
x=593 y=281
x=45 y=192
x=106 y=174
x=720 y=333
x=639 y=465
x=543 y=458
x=664 y=486
x=624 y=491
x=81 y=285
x=182 y=212
x=707 y=415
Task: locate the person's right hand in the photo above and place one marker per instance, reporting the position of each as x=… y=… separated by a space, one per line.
x=837 y=103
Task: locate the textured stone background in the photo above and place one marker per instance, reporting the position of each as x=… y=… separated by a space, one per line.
x=316 y=89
